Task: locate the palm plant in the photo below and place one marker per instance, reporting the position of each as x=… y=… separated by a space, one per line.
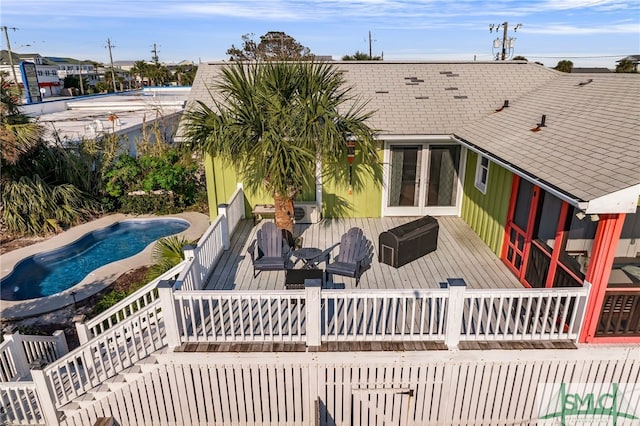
x=274 y=120
x=167 y=253
x=43 y=187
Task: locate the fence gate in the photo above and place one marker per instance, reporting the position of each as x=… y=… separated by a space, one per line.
x=383 y=406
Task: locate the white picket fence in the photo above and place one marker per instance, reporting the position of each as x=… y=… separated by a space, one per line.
x=314 y=315
x=364 y=388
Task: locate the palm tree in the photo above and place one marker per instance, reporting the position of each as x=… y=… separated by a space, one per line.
x=43 y=187
x=272 y=120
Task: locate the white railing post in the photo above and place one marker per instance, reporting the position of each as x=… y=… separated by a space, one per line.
x=45 y=397
x=312 y=306
x=190 y=255
x=224 y=225
x=17 y=354
x=82 y=330
x=455 y=311
x=61 y=343
x=169 y=317
x=581 y=306
x=240 y=186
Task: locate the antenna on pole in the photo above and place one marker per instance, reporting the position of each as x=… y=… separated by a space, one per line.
x=113 y=73
x=506 y=43
x=13 y=69
x=154 y=57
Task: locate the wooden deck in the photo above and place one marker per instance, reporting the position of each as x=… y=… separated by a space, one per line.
x=460 y=254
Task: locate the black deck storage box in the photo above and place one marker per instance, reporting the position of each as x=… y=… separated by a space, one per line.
x=405 y=243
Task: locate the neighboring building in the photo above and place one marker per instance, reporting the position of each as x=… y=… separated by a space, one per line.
x=48 y=80
x=635 y=59
x=595 y=70
x=129 y=114
x=523 y=176
x=72 y=67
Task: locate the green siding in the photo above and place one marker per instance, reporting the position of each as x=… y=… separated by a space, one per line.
x=366 y=202
x=337 y=202
x=487 y=213
x=222 y=182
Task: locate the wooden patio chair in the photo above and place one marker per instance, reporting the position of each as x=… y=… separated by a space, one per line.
x=354 y=258
x=269 y=251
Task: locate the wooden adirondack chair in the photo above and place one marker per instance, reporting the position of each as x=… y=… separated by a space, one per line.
x=269 y=251
x=354 y=258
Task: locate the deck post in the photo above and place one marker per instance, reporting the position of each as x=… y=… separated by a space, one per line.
x=224 y=225
x=190 y=254
x=455 y=310
x=45 y=397
x=312 y=290
x=240 y=185
x=17 y=354
x=168 y=304
x=61 y=343
x=83 y=332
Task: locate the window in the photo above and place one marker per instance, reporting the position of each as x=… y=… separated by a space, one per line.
x=482 y=173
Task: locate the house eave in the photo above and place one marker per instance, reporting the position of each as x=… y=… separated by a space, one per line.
x=623 y=201
x=563 y=195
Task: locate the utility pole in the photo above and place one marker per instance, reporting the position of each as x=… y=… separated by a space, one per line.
x=13 y=69
x=113 y=73
x=506 y=42
x=154 y=57
x=81 y=82
x=370 y=50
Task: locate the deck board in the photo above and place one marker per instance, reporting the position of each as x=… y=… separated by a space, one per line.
x=460 y=254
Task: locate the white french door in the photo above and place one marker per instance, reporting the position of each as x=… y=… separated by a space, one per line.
x=422 y=178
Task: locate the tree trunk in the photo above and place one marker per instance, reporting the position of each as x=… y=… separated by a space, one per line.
x=284 y=213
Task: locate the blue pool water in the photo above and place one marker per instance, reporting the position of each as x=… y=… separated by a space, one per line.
x=49 y=273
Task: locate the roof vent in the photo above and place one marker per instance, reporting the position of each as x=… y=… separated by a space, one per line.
x=453 y=75
x=584 y=83
x=504 y=105
x=446 y=72
x=461 y=97
x=450 y=88
x=541 y=124
x=382 y=91
x=422 y=97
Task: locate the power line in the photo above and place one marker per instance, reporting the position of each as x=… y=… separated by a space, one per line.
x=578 y=57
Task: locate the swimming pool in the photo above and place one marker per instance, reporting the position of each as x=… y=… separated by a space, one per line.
x=51 y=272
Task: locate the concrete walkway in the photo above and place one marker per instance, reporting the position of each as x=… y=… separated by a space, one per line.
x=97 y=280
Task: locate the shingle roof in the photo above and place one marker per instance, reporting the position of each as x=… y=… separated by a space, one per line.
x=423 y=98
x=590 y=147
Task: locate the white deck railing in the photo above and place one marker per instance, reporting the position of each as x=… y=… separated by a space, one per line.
x=313 y=315
x=203 y=258
x=126 y=307
x=104 y=356
x=398 y=315
x=20 y=352
x=523 y=314
x=240 y=316
x=19 y=404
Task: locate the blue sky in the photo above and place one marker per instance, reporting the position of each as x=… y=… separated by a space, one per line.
x=588 y=32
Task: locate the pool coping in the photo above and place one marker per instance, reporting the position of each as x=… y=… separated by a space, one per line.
x=98 y=279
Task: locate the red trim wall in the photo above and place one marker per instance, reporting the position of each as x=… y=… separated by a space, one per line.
x=598 y=272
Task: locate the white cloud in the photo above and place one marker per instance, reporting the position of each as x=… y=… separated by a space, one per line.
x=568 y=29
